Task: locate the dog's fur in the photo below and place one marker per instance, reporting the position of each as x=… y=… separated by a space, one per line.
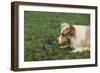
x=75 y=36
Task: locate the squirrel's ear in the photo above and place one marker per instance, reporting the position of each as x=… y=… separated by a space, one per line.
x=64 y=24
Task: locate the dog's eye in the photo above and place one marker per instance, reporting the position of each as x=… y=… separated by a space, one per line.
x=63 y=34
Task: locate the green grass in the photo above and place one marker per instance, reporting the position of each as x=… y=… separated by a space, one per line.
x=38 y=26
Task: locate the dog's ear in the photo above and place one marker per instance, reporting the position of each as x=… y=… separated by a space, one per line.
x=71 y=30
x=64 y=24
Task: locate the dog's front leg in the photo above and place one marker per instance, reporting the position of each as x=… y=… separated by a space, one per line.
x=80 y=49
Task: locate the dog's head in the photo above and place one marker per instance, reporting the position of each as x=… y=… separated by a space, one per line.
x=67 y=32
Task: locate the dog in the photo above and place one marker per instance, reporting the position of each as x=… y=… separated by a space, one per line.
x=75 y=36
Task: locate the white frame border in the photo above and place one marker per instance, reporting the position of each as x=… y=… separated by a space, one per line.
x=23 y=64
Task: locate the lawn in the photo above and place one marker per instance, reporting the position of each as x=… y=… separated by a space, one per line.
x=38 y=26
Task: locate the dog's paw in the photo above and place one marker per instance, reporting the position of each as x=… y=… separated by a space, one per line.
x=76 y=50
x=73 y=51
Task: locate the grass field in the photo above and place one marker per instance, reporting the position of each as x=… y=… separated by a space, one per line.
x=38 y=26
